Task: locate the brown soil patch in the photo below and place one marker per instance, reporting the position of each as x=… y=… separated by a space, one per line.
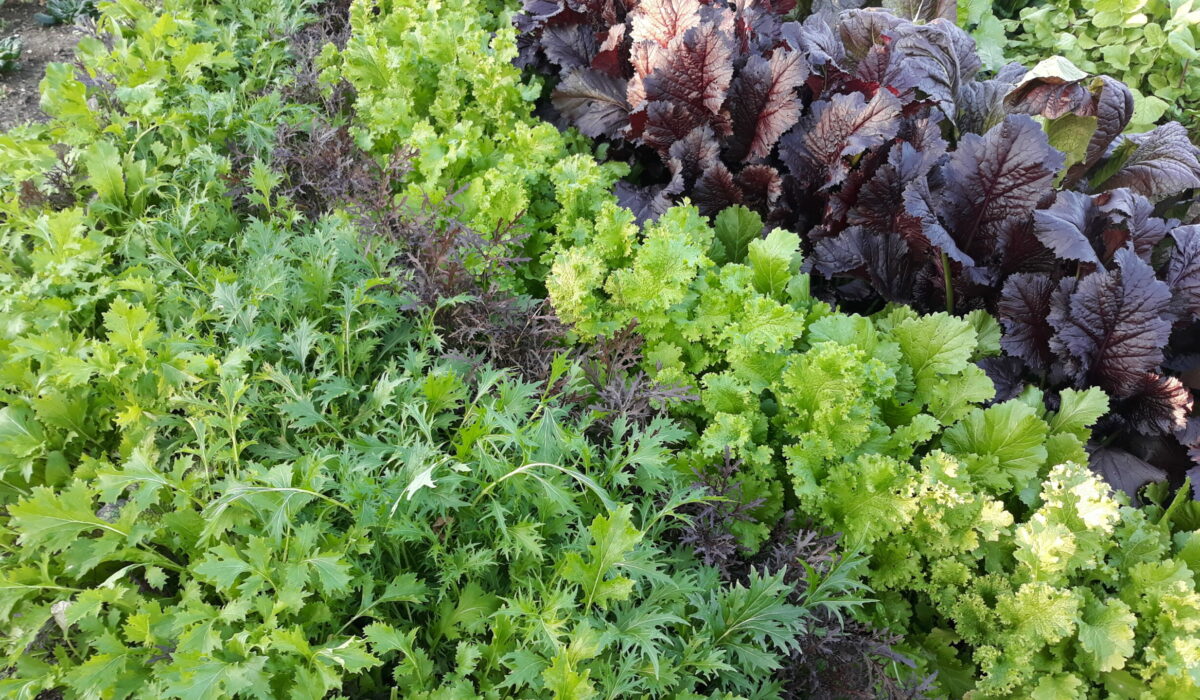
x=19 y=94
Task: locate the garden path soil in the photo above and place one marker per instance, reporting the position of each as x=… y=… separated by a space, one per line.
x=19 y=94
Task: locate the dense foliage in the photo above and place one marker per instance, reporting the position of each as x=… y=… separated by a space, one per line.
x=285 y=413
x=1151 y=45
x=875 y=427
x=915 y=182
x=246 y=454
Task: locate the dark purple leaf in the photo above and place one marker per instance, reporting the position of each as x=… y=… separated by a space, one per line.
x=981 y=106
x=763 y=103
x=844 y=126
x=1123 y=471
x=594 y=102
x=648 y=203
x=1024 y=311
x=691 y=155
x=1183 y=271
x=1135 y=215
x=943 y=58
x=994 y=182
x=859 y=30
x=1007 y=375
x=569 y=46
x=716 y=190
x=1068 y=226
x=1109 y=327
x=1114 y=109
x=760 y=185
x=1163 y=163
x=816 y=39
x=1158 y=405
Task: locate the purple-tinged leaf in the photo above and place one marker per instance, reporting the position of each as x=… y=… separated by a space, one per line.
x=994 y=182
x=1183 y=271
x=1067 y=227
x=763 y=103
x=609 y=58
x=1163 y=163
x=924 y=10
x=760 y=185
x=716 y=190
x=648 y=203
x=661 y=21
x=883 y=260
x=844 y=126
x=1123 y=471
x=921 y=204
x=695 y=76
x=569 y=46
x=1053 y=88
x=1158 y=405
x=1110 y=328
x=1024 y=312
x=594 y=102
x=1138 y=225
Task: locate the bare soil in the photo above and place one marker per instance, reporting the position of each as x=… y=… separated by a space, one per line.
x=19 y=94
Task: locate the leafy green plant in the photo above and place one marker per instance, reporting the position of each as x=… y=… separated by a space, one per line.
x=1150 y=45
x=10 y=53
x=65 y=11
x=879 y=428
x=237 y=461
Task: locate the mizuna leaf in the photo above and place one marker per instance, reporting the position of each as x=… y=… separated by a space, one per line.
x=54 y=520
x=1110 y=326
x=613 y=538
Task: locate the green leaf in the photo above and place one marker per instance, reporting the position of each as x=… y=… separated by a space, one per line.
x=104 y=163
x=1006 y=441
x=613 y=538
x=53 y=521
x=774 y=260
x=1078 y=410
x=565 y=683
x=735 y=228
x=1071 y=134
x=1106 y=633
x=222 y=565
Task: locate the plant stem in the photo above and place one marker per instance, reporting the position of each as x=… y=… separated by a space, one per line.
x=946 y=281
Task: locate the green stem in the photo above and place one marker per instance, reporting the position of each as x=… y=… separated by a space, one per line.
x=946 y=281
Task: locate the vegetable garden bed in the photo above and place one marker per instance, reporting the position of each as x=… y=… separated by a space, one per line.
x=601 y=349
